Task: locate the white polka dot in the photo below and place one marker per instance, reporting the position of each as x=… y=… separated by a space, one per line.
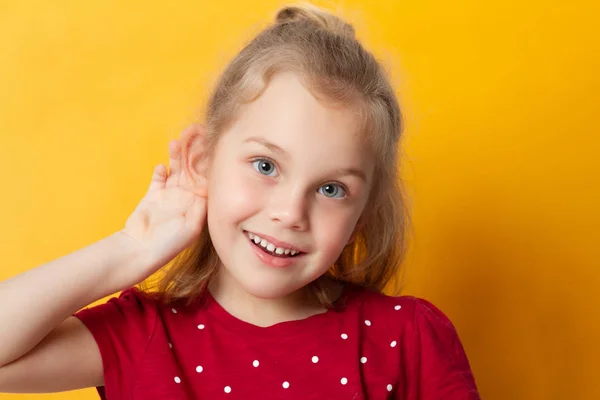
x=286 y=385
x=363 y=360
x=255 y=363
x=174 y=310
x=201 y=326
x=367 y=322
x=227 y=389
x=344 y=381
x=344 y=336
x=393 y=344
x=177 y=379
x=389 y=388
x=199 y=368
x=315 y=359
x=397 y=307
x=170 y=346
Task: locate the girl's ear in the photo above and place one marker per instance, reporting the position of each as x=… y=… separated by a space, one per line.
x=194 y=153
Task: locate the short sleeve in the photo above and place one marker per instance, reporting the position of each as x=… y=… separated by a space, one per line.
x=122 y=328
x=439 y=368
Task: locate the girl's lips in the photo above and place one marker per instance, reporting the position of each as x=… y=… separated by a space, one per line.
x=270 y=260
x=276 y=242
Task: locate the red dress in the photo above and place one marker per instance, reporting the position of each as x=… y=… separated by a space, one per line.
x=371 y=346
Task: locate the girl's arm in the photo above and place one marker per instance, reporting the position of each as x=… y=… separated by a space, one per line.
x=37 y=301
x=35 y=306
x=67 y=359
x=45 y=349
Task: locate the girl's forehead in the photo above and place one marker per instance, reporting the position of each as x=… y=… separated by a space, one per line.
x=290 y=125
x=288 y=111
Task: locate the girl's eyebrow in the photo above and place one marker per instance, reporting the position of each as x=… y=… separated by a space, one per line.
x=271 y=146
x=276 y=149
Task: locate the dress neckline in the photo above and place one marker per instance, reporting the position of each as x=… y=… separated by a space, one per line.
x=289 y=328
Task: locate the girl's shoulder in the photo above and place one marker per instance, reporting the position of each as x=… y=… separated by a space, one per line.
x=403 y=312
x=132 y=312
x=424 y=336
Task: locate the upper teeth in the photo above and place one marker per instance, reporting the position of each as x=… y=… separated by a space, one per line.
x=270 y=246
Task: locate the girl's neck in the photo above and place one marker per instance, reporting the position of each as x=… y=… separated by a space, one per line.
x=297 y=305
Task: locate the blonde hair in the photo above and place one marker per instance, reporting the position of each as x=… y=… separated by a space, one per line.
x=323 y=51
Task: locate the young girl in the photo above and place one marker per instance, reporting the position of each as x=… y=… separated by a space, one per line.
x=284 y=219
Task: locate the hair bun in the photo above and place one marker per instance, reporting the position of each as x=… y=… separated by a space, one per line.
x=315 y=15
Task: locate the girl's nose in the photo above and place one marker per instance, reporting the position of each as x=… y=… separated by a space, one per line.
x=288 y=207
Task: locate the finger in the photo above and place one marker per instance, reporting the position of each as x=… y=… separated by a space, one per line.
x=159 y=177
x=174 y=163
x=196 y=216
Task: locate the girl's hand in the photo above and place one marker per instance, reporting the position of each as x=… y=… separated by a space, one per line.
x=173 y=212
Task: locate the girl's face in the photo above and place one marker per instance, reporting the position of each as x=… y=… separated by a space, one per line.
x=291 y=170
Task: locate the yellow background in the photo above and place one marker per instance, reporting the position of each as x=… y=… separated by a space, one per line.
x=501 y=104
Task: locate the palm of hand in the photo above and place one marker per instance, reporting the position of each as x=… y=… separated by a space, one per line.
x=172 y=213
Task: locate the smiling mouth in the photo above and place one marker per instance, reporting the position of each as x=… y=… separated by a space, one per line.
x=273 y=253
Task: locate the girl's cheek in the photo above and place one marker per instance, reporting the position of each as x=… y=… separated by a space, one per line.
x=244 y=191
x=332 y=224
x=253 y=190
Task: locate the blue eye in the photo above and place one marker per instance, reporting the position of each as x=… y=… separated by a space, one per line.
x=331 y=189
x=264 y=166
